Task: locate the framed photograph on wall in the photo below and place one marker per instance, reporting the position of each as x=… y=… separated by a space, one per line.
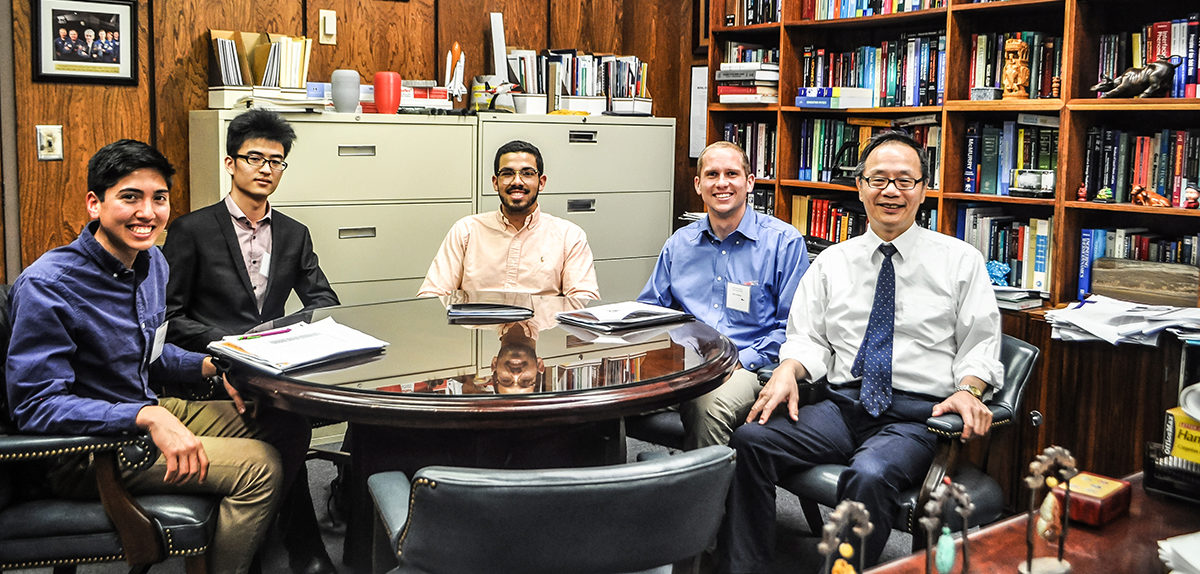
x=700 y=20
x=85 y=42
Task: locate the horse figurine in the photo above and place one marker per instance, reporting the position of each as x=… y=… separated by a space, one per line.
x=1152 y=81
x=1141 y=196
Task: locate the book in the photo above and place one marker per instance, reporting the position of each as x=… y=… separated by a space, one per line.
x=747 y=99
x=1020 y=304
x=747 y=75
x=296 y=346
x=621 y=316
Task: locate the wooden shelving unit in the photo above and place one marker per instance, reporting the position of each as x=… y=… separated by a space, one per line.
x=1080 y=23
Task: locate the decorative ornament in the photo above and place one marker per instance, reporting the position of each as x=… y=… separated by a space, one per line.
x=1054 y=465
x=998 y=273
x=945 y=552
x=1049 y=519
x=1081 y=193
x=1015 y=77
x=1149 y=82
x=1105 y=195
x=931 y=521
x=1142 y=196
x=850 y=517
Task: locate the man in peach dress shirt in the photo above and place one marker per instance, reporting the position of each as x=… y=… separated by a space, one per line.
x=517 y=248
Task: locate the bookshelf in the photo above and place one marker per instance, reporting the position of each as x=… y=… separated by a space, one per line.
x=1076 y=28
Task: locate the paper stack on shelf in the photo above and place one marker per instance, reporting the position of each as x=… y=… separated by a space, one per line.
x=1101 y=318
x=1016 y=299
x=296 y=346
x=621 y=316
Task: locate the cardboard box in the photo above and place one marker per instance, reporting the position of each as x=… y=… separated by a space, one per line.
x=1095 y=499
x=1181 y=435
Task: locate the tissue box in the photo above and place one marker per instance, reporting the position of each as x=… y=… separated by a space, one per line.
x=1181 y=435
x=1095 y=499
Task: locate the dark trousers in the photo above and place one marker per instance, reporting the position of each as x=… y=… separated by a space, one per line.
x=886 y=455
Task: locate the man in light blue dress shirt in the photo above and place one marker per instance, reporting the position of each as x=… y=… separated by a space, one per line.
x=736 y=270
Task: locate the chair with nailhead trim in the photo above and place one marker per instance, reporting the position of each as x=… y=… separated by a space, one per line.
x=38 y=531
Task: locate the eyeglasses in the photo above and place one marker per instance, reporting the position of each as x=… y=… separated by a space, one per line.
x=902 y=183
x=508 y=174
x=258 y=161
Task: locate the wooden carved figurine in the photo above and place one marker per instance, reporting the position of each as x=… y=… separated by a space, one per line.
x=1081 y=193
x=1016 y=69
x=1151 y=81
x=1142 y=196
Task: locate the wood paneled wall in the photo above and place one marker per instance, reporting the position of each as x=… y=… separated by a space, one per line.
x=411 y=38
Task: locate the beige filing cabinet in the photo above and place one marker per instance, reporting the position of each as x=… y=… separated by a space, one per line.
x=378 y=193
x=613 y=176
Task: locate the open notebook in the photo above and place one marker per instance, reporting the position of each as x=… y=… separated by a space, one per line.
x=621 y=316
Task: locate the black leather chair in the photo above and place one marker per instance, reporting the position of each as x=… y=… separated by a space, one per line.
x=603 y=520
x=38 y=531
x=818 y=485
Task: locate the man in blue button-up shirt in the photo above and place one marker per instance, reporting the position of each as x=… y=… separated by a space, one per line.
x=88 y=339
x=736 y=270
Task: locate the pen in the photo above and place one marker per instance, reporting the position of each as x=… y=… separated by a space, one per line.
x=263 y=334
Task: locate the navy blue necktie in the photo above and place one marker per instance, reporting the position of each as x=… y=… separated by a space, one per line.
x=874 y=360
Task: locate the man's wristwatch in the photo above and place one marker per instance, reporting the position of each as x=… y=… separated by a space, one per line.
x=975 y=391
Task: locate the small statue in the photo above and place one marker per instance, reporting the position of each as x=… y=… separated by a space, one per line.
x=1149 y=82
x=1081 y=193
x=1191 y=197
x=1141 y=196
x=1049 y=518
x=1105 y=195
x=1016 y=69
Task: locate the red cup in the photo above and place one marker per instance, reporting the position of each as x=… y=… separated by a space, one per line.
x=387 y=92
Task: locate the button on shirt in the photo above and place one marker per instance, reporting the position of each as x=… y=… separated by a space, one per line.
x=763 y=253
x=484 y=252
x=83 y=333
x=947 y=324
x=254 y=239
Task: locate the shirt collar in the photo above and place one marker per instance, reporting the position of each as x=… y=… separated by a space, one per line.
x=240 y=215
x=107 y=261
x=747 y=227
x=905 y=244
x=531 y=220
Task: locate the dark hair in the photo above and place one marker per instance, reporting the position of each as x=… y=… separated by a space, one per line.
x=121 y=158
x=259 y=124
x=518 y=146
x=888 y=137
x=724 y=145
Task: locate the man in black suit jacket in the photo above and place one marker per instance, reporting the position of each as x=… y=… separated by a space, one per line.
x=233 y=265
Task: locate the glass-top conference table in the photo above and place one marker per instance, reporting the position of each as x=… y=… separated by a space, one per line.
x=526 y=394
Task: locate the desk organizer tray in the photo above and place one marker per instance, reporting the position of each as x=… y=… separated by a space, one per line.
x=1169 y=475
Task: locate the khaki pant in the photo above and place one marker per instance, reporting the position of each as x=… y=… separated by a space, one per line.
x=710 y=418
x=245 y=472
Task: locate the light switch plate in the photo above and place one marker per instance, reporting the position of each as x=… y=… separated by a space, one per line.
x=49 y=142
x=327 y=28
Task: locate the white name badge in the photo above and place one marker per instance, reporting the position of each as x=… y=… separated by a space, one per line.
x=265 y=268
x=160 y=338
x=737 y=297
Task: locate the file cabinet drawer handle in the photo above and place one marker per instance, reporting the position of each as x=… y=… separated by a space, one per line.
x=582 y=136
x=356 y=232
x=581 y=206
x=356 y=149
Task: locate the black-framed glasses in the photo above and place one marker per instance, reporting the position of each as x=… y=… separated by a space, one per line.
x=902 y=183
x=507 y=174
x=258 y=161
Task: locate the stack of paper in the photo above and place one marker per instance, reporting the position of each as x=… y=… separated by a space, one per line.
x=296 y=346
x=1181 y=554
x=1016 y=299
x=620 y=316
x=1116 y=321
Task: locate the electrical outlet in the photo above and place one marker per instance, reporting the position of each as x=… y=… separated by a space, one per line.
x=327 y=32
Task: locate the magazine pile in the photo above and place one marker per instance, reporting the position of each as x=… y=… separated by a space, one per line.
x=297 y=346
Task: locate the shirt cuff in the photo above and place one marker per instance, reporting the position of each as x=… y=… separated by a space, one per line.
x=125 y=416
x=751 y=360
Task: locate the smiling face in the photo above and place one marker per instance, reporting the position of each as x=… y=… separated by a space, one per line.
x=723 y=183
x=132 y=213
x=73 y=34
x=891 y=211
x=518 y=193
x=257 y=183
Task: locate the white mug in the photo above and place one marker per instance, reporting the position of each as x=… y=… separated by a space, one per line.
x=1189 y=399
x=345 y=87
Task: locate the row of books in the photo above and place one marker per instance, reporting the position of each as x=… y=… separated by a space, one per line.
x=1045 y=61
x=1158 y=40
x=748 y=83
x=1166 y=162
x=749 y=52
x=760 y=140
x=258 y=59
x=909 y=71
x=579 y=74
x=827 y=144
x=836 y=9
x=750 y=12
x=762 y=200
x=993 y=151
x=1132 y=243
x=1022 y=244
x=836 y=220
